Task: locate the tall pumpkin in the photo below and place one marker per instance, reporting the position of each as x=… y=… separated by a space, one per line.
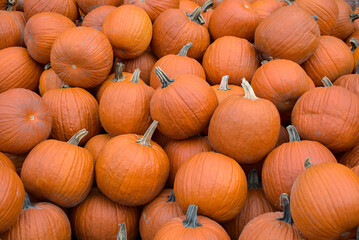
x=96 y=143
x=68 y=8
x=60 y=172
x=49 y=80
x=224 y=90
x=96 y=17
x=86 y=6
x=10 y=29
x=265 y=8
x=349 y=81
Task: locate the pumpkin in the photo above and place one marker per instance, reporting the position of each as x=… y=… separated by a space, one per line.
x=60 y=172
x=12 y=195
x=175 y=28
x=154 y=7
x=234 y=18
x=40 y=221
x=241 y=124
x=187 y=98
x=265 y=8
x=256 y=204
x=282 y=82
x=319 y=116
x=49 y=80
x=8 y=5
x=6 y=162
x=17 y=160
x=97 y=208
x=96 y=143
x=25 y=120
x=72 y=110
x=218 y=196
x=41 y=31
x=349 y=81
x=351 y=157
x=288 y=33
x=67 y=8
x=187 y=6
x=87 y=6
x=179 y=151
x=273 y=225
x=175 y=65
x=339 y=186
x=224 y=90
x=21 y=21
x=344 y=25
x=136 y=167
x=286 y=162
x=82 y=57
x=96 y=17
x=191 y=226
x=18 y=69
x=129 y=30
x=125 y=106
x=10 y=29
x=162 y=209
x=238 y=55
x=356 y=170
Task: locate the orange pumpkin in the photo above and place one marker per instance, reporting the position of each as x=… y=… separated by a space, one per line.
x=6 y=162
x=188 y=6
x=68 y=8
x=207 y=12
x=351 y=157
x=21 y=21
x=96 y=17
x=224 y=90
x=82 y=57
x=344 y=25
x=265 y=8
x=25 y=120
x=87 y=6
x=349 y=81
x=49 y=80
x=96 y=143
x=10 y=29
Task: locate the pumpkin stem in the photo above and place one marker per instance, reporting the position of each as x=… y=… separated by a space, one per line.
x=119 y=72
x=136 y=76
x=354 y=43
x=287 y=216
x=224 y=84
x=122 y=232
x=196 y=16
x=315 y=18
x=65 y=86
x=171 y=198
x=27 y=202
x=353 y=16
x=165 y=80
x=184 y=50
x=10 y=5
x=357 y=71
x=326 y=82
x=267 y=60
x=293 y=133
x=253 y=180
x=248 y=90
x=47 y=66
x=76 y=139
x=308 y=163
x=207 y=5
x=146 y=138
x=191 y=217
x=289 y=2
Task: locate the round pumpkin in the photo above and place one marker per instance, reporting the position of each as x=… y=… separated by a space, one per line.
x=25 y=120
x=162 y=209
x=214 y=182
x=49 y=80
x=60 y=172
x=10 y=29
x=265 y=8
x=96 y=143
x=351 y=157
x=186 y=97
x=96 y=17
x=344 y=25
x=244 y=128
x=6 y=162
x=97 y=208
x=68 y=8
x=224 y=90
x=349 y=81
x=231 y=56
x=87 y=6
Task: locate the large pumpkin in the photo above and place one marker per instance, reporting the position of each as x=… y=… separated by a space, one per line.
x=49 y=80
x=349 y=81
x=344 y=25
x=214 y=182
x=187 y=98
x=25 y=120
x=67 y=8
x=265 y=8
x=10 y=29
x=351 y=157
x=60 y=172
x=231 y=56
x=96 y=143
x=244 y=128
x=224 y=90
x=96 y=17
x=6 y=162
x=86 y=6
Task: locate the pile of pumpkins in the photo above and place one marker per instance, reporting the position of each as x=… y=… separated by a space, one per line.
x=179 y=119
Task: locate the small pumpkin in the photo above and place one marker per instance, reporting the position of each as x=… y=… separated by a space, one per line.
x=49 y=80
x=265 y=8
x=349 y=81
x=224 y=90
x=351 y=157
x=96 y=17
x=87 y=6
x=96 y=143
x=68 y=8
x=6 y=162
x=10 y=29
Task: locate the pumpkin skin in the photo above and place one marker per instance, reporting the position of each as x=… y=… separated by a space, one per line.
x=10 y=29
x=162 y=209
x=125 y=24
x=154 y=7
x=18 y=69
x=351 y=157
x=88 y=69
x=41 y=31
x=349 y=81
x=325 y=181
x=86 y=6
x=25 y=120
x=265 y=8
x=96 y=143
x=96 y=208
x=72 y=110
x=224 y=90
x=49 y=80
x=21 y=20
x=356 y=170
x=218 y=196
x=187 y=6
x=125 y=158
x=6 y=162
x=12 y=194
x=239 y=56
x=96 y=17
x=344 y=26
x=300 y=38
x=60 y=172
x=67 y=8
x=282 y=82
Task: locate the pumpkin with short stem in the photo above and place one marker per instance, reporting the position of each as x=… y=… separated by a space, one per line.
x=256 y=204
x=8 y=5
x=67 y=8
x=191 y=226
x=325 y=195
x=6 y=162
x=25 y=120
x=49 y=80
x=41 y=31
x=188 y=6
x=88 y=6
x=288 y=33
x=135 y=166
x=188 y=98
x=125 y=106
x=40 y=221
x=344 y=25
x=12 y=195
x=224 y=90
x=239 y=56
x=241 y=124
x=349 y=81
x=319 y=116
x=97 y=208
x=175 y=65
x=60 y=172
x=18 y=69
x=96 y=143
x=356 y=170
x=175 y=28
x=162 y=209
x=265 y=8
x=11 y=30
x=129 y=30
x=72 y=109
x=351 y=157
x=218 y=196
x=82 y=57
x=287 y=161
x=96 y=17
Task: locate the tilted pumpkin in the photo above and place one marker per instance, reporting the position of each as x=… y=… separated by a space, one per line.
x=87 y=6
x=68 y=8
x=96 y=17
x=224 y=90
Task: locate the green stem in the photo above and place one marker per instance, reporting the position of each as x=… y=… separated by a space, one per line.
x=354 y=43
x=248 y=90
x=164 y=79
x=122 y=232
x=10 y=5
x=47 y=66
x=136 y=76
x=353 y=16
x=146 y=138
x=184 y=50
x=224 y=84
x=207 y=5
x=253 y=180
x=191 y=217
x=308 y=163
x=267 y=60
x=27 y=202
x=315 y=18
x=196 y=16
x=326 y=82
x=293 y=133
x=76 y=139
x=287 y=216
x=171 y=198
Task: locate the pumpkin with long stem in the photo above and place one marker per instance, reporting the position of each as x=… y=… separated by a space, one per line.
x=223 y=90
x=68 y=8
x=349 y=81
x=96 y=17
